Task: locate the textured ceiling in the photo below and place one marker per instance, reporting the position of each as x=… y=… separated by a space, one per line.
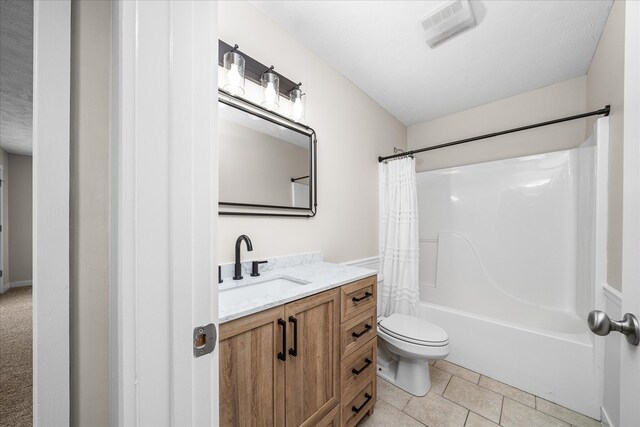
x=517 y=46
x=16 y=75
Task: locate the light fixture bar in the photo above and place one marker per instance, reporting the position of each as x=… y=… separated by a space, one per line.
x=255 y=69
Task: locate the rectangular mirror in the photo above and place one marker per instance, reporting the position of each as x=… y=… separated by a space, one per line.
x=266 y=162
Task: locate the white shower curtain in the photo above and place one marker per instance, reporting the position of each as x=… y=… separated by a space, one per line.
x=399 y=242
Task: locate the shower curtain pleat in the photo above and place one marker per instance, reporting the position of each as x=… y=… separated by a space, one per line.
x=399 y=241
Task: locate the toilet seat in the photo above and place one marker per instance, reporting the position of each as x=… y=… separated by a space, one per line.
x=414 y=330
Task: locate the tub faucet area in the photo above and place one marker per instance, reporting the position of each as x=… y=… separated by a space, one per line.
x=238 y=264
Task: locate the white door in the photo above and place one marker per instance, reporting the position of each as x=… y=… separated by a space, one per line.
x=165 y=193
x=630 y=355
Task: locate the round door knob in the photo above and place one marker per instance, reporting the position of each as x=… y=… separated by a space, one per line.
x=599 y=322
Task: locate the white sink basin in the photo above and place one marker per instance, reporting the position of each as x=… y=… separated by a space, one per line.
x=259 y=289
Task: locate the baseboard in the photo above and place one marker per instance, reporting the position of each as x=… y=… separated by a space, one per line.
x=21 y=284
x=6 y=286
x=606 y=421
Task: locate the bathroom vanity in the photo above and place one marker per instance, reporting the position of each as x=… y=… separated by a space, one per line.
x=298 y=347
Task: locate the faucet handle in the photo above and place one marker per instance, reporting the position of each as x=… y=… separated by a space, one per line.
x=254 y=267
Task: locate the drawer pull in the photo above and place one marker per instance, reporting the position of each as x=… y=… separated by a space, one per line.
x=366 y=365
x=294 y=351
x=283 y=354
x=366 y=295
x=359 y=408
x=366 y=329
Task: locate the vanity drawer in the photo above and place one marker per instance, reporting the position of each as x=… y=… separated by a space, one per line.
x=359 y=366
x=358 y=331
x=357 y=404
x=358 y=297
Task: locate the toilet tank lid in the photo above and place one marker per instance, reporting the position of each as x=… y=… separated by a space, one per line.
x=414 y=328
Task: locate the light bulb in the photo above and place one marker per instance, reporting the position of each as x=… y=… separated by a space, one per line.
x=271 y=85
x=270 y=96
x=233 y=75
x=270 y=93
x=297 y=111
x=234 y=80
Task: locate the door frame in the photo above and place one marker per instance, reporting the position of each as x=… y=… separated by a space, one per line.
x=164 y=217
x=630 y=355
x=51 y=113
x=2 y=231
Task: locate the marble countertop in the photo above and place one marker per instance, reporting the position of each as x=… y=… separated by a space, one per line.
x=319 y=277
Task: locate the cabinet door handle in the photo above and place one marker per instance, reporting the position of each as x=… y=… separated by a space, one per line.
x=294 y=351
x=366 y=329
x=366 y=295
x=359 y=408
x=283 y=354
x=366 y=365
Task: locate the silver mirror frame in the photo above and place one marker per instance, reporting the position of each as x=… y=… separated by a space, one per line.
x=248 y=209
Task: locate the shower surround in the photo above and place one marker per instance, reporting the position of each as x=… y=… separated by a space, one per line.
x=512 y=258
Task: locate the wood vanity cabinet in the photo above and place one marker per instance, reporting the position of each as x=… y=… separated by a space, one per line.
x=312 y=377
x=251 y=375
x=359 y=352
x=293 y=365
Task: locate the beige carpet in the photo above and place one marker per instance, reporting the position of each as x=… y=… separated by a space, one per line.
x=16 y=380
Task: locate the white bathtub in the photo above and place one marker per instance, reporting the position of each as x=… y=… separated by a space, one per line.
x=512 y=258
x=562 y=366
x=557 y=366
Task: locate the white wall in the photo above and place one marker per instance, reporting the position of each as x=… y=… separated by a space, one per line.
x=17 y=209
x=352 y=132
x=605 y=85
x=20 y=249
x=90 y=206
x=550 y=102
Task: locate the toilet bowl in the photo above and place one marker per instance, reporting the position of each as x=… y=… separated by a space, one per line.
x=405 y=345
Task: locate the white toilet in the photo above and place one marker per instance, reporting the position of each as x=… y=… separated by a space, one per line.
x=405 y=344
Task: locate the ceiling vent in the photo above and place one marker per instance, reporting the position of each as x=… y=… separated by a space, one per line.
x=447 y=22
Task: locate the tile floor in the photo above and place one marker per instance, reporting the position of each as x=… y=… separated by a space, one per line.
x=463 y=398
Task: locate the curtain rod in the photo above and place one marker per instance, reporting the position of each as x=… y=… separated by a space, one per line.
x=604 y=111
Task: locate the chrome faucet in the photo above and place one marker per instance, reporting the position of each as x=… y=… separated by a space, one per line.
x=238 y=266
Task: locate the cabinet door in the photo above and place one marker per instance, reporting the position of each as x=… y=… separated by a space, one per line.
x=332 y=419
x=251 y=375
x=313 y=366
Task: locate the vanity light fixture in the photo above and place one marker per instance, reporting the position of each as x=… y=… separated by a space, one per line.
x=240 y=66
x=271 y=84
x=298 y=98
x=234 y=64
